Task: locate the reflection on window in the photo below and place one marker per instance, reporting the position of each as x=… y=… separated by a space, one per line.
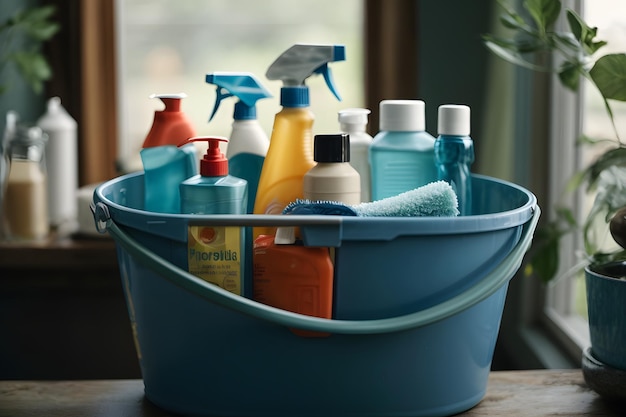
x=169 y=47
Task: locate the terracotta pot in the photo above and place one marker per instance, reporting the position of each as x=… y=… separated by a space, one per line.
x=606 y=305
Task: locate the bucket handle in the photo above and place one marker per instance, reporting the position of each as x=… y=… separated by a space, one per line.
x=475 y=294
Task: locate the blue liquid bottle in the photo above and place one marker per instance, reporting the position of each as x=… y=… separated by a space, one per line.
x=454 y=152
x=402 y=154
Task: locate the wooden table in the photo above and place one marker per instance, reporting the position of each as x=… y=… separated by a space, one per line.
x=510 y=393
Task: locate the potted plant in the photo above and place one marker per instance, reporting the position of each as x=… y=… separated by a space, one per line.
x=533 y=34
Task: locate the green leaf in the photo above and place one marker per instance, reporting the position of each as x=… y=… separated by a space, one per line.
x=609 y=75
x=588 y=140
x=565 y=214
x=569 y=75
x=543 y=12
x=575 y=181
x=36 y=23
x=512 y=56
x=611 y=158
x=584 y=33
x=33 y=67
x=545 y=261
x=513 y=21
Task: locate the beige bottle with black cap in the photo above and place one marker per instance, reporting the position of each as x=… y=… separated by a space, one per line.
x=332 y=178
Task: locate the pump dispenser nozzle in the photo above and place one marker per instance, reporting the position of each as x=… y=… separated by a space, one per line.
x=214 y=163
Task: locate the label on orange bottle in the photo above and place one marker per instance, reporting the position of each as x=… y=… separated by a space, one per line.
x=214 y=254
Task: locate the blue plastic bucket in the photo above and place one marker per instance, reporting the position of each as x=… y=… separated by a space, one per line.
x=417 y=309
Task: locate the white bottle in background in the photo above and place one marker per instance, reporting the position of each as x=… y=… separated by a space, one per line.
x=61 y=164
x=354 y=122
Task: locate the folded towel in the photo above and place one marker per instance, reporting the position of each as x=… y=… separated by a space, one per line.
x=434 y=199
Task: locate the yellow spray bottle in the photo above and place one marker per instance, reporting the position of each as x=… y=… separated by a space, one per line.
x=290 y=154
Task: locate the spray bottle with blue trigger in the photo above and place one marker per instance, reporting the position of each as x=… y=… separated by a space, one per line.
x=248 y=142
x=290 y=155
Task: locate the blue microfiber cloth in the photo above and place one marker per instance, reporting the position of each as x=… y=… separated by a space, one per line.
x=434 y=199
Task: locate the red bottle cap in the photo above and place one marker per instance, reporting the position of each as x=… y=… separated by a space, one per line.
x=214 y=163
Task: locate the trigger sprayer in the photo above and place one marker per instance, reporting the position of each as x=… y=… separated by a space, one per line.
x=290 y=154
x=248 y=142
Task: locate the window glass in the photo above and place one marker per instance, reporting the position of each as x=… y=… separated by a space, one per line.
x=609 y=16
x=169 y=46
x=567 y=297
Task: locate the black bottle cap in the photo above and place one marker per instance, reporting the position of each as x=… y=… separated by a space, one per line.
x=332 y=148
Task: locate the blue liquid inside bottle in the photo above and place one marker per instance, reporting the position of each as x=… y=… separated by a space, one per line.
x=401 y=161
x=453 y=157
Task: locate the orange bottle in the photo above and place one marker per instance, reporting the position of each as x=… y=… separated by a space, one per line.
x=295 y=278
x=170 y=126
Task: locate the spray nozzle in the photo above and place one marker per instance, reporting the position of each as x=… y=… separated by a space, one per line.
x=242 y=85
x=214 y=163
x=328 y=77
x=301 y=61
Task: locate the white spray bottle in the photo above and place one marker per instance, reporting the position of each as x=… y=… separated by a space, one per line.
x=248 y=142
x=354 y=122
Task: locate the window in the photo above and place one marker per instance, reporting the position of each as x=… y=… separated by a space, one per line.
x=566 y=302
x=168 y=47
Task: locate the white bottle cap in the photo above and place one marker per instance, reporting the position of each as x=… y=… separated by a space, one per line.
x=402 y=115
x=453 y=120
x=354 y=116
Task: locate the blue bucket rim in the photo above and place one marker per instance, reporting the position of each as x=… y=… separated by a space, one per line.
x=351 y=228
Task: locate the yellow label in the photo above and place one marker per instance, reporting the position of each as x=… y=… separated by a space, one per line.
x=214 y=254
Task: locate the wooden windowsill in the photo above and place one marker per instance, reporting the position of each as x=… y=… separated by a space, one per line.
x=59 y=253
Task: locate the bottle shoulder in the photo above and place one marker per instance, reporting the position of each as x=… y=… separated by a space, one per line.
x=403 y=140
x=330 y=169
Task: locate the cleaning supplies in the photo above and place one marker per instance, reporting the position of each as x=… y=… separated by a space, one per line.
x=289 y=156
x=353 y=122
x=248 y=142
x=165 y=167
x=61 y=165
x=454 y=152
x=402 y=154
x=436 y=199
x=170 y=126
x=332 y=178
x=215 y=253
x=293 y=277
